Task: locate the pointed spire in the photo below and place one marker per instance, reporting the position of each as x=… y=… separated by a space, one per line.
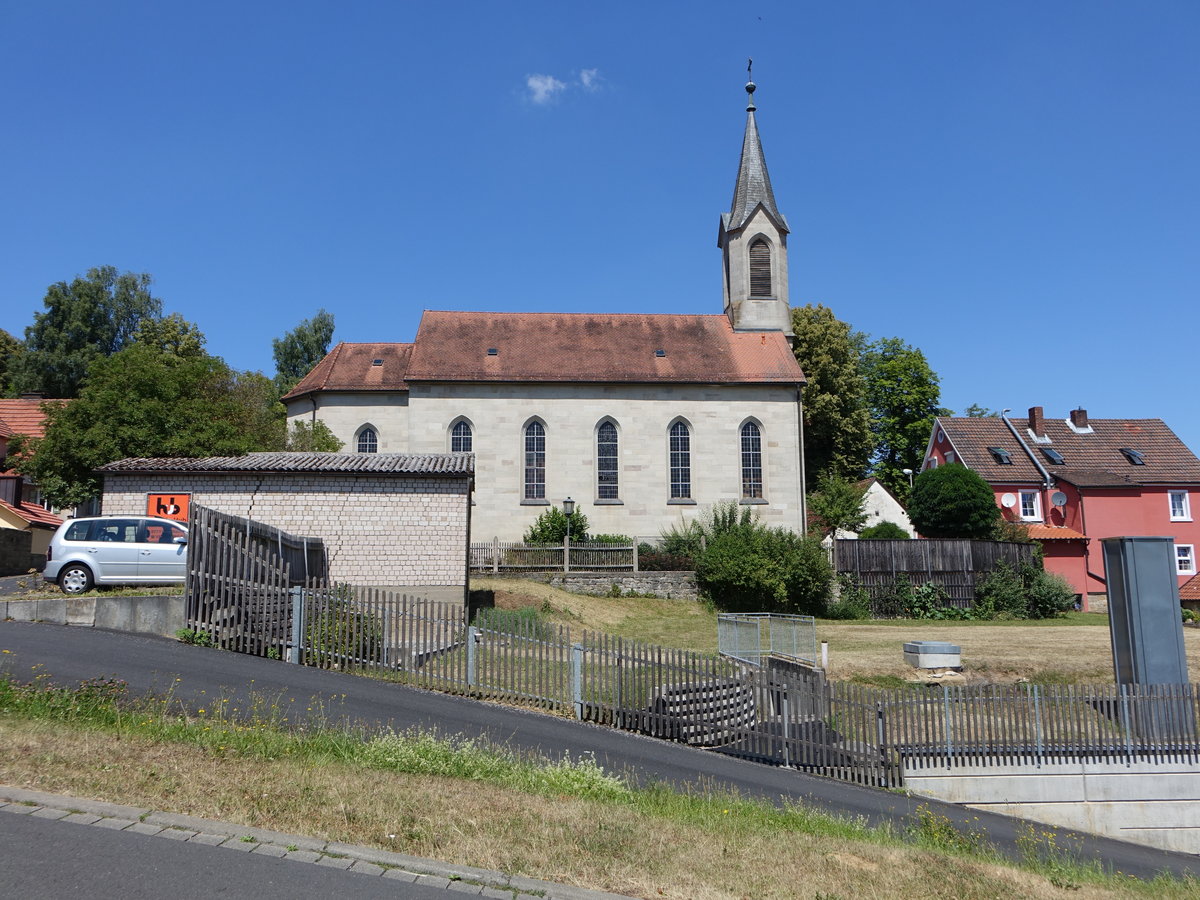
x=753 y=183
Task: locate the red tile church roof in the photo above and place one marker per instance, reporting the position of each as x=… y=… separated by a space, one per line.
x=352 y=367
x=584 y=347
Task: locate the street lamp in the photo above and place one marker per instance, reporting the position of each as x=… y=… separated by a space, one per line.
x=568 y=507
x=908 y=472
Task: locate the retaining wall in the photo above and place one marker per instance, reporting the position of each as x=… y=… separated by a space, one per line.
x=141 y=615
x=668 y=585
x=1156 y=804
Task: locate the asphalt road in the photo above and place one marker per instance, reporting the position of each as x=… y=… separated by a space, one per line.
x=46 y=860
x=69 y=655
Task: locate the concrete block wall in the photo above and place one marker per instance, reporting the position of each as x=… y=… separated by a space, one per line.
x=404 y=531
x=1156 y=804
x=159 y=614
x=668 y=585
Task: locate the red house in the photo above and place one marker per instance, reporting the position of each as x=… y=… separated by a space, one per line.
x=1072 y=481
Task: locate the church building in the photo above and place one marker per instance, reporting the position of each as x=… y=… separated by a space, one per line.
x=643 y=420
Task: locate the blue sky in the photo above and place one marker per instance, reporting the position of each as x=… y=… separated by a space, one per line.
x=1012 y=187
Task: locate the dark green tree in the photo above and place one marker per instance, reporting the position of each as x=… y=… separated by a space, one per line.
x=94 y=316
x=552 y=526
x=10 y=349
x=314 y=437
x=975 y=411
x=837 y=505
x=837 y=429
x=953 y=501
x=902 y=395
x=142 y=401
x=172 y=334
x=301 y=349
x=884 y=531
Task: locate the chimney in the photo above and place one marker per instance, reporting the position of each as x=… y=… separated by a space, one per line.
x=1079 y=418
x=33 y=395
x=1035 y=421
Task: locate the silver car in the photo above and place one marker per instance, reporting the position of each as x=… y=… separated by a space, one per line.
x=116 y=550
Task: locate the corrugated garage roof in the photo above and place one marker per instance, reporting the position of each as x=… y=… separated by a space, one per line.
x=355 y=463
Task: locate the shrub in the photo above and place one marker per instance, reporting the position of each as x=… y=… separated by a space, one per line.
x=1047 y=595
x=853 y=600
x=1029 y=592
x=1000 y=591
x=884 y=531
x=929 y=601
x=652 y=560
x=952 y=501
x=618 y=539
x=338 y=634
x=551 y=527
x=757 y=569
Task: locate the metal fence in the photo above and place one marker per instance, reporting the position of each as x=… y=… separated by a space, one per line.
x=499 y=557
x=754 y=637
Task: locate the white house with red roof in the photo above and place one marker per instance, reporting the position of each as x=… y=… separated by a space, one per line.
x=1075 y=480
x=21 y=506
x=643 y=420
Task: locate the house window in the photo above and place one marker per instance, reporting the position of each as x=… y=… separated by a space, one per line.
x=949 y=457
x=752 y=477
x=1031 y=505
x=535 y=461
x=1181 y=509
x=1000 y=455
x=760 y=269
x=460 y=437
x=1185 y=559
x=607 y=486
x=681 y=461
x=368 y=440
x=1135 y=457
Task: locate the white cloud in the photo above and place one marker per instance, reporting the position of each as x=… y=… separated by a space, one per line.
x=590 y=79
x=543 y=88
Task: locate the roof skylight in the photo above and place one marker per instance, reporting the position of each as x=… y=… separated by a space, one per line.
x=1054 y=456
x=1000 y=455
x=1135 y=457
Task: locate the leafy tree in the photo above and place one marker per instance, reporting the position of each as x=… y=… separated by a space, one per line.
x=142 y=401
x=884 y=531
x=975 y=411
x=837 y=505
x=92 y=317
x=172 y=334
x=551 y=527
x=764 y=569
x=10 y=349
x=301 y=349
x=953 y=501
x=902 y=395
x=837 y=430
x=312 y=437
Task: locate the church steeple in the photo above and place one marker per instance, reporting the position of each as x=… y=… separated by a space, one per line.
x=753 y=241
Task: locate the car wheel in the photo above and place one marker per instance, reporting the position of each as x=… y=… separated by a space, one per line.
x=75 y=579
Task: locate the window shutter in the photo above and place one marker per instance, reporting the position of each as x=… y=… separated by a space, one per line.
x=760 y=269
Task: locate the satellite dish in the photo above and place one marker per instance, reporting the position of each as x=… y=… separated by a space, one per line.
x=1008 y=501
x=1058 y=498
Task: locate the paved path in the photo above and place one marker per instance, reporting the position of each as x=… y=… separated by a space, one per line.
x=127 y=852
x=146 y=663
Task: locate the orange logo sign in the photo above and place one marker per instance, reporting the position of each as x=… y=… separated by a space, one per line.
x=168 y=506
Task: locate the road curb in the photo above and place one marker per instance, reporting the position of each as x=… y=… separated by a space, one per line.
x=293 y=847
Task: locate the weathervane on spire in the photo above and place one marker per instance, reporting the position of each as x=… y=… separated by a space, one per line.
x=750 y=107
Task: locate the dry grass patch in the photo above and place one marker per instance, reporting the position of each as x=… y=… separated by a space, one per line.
x=647 y=846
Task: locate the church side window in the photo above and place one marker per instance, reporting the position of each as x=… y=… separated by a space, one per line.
x=681 y=461
x=752 y=475
x=368 y=440
x=607 y=487
x=460 y=438
x=760 y=269
x=535 y=461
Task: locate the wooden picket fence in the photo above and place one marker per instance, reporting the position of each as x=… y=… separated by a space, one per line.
x=953 y=565
x=498 y=557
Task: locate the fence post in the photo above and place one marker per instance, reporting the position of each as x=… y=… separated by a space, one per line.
x=1037 y=722
x=635 y=555
x=946 y=721
x=297 y=595
x=881 y=736
x=566 y=554
x=577 y=679
x=472 y=637
x=496 y=555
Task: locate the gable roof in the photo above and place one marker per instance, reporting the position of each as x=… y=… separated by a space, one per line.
x=597 y=348
x=351 y=367
x=33 y=514
x=1190 y=589
x=23 y=416
x=1092 y=459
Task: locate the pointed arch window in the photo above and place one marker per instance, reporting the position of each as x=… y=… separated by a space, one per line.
x=752 y=473
x=460 y=437
x=368 y=440
x=681 y=461
x=535 y=461
x=760 y=269
x=607 y=484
